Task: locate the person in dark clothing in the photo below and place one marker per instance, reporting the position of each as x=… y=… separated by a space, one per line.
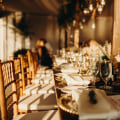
x=43 y=57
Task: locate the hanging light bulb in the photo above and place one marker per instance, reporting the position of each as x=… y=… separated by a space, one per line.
x=86 y=11
x=91 y=7
x=100 y=8
x=103 y=2
x=93 y=25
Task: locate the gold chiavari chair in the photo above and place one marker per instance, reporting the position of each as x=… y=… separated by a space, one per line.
x=26 y=78
x=37 y=97
x=8 y=91
x=38 y=79
x=9 y=102
x=33 y=63
x=18 y=74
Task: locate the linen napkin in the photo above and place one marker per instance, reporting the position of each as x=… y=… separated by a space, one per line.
x=102 y=109
x=69 y=69
x=76 y=79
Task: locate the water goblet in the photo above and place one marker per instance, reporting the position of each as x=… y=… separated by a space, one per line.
x=105 y=72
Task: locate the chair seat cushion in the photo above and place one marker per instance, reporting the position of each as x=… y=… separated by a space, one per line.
x=42 y=115
x=37 y=88
x=43 y=80
x=38 y=102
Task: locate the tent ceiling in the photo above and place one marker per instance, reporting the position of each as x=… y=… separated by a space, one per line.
x=42 y=7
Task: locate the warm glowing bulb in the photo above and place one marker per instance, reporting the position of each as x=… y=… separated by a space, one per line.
x=86 y=11
x=90 y=7
x=103 y=2
x=100 y=8
x=93 y=25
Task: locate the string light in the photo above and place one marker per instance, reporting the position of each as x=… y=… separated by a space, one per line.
x=91 y=7
x=93 y=26
x=86 y=11
x=99 y=6
x=103 y=2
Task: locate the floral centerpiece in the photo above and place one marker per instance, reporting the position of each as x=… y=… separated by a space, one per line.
x=106 y=51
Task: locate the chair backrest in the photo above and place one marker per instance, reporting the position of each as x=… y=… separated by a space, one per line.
x=8 y=91
x=36 y=64
x=26 y=79
x=18 y=75
x=33 y=62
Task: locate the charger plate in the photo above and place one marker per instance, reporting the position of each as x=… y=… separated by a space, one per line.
x=66 y=104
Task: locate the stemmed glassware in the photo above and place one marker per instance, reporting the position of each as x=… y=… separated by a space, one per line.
x=105 y=72
x=79 y=63
x=79 y=66
x=94 y=67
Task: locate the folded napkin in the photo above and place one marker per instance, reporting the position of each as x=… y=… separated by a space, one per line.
x=75 y=79
x=103 y=108
x=69 y=69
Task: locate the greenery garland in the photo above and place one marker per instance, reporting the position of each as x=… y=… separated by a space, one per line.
x=22 y=25
x=22 y=51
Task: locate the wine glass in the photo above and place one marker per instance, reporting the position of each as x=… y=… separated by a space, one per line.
x=94 y=68
x=105 y=72
x=79 y=64
x=79 y=67
x=95 y=71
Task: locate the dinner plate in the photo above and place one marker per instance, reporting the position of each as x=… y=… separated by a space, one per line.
x=70 y=88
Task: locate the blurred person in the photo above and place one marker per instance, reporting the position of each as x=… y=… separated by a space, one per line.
x=44 y=57
x=94 y=47
x=85 y=48
x=93 y=43
x=42 y=42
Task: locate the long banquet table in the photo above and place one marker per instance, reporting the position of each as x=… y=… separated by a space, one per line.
x=63 y=88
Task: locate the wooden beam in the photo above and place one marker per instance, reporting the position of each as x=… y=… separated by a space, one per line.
x=116 y=27
x=77 y=19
